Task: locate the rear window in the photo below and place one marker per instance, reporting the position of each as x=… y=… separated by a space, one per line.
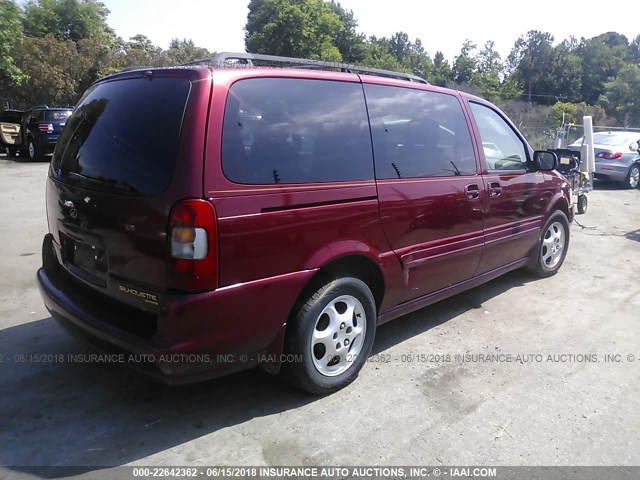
x=124 y=136
x=296 y=131
x=56 y=115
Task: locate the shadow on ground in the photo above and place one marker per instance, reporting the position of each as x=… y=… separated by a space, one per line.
x=69 y=414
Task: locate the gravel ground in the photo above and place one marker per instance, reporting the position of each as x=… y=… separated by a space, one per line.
x=559 y=403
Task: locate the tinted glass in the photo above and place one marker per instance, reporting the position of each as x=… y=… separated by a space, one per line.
x=281 y=130
x=124 y=136
x=11 y=116
x=417 y=133
x=56 y=115
x=503 y=149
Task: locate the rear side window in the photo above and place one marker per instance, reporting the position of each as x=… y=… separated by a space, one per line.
x=417 y=133
x=124 y=136
x=282 y=130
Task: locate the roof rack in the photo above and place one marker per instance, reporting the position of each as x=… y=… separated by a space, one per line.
x=232 y=59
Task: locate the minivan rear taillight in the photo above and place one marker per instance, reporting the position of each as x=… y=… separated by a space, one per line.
x=193 y=246
x=45 y=127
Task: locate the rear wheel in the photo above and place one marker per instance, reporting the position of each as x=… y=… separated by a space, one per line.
x=33 y=151
x=553 y=246
x=633 y=177
x=583 y=203
x=331 y=336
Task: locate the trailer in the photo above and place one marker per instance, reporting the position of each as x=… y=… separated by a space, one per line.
x=581 y=182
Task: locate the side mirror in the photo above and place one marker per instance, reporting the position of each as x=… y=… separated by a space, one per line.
x=634 y=146
x=545 y=160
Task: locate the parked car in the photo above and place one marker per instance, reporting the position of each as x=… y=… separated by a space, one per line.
x=10 y=131
x=41 y=126
x=616 y=156
x=211 y=220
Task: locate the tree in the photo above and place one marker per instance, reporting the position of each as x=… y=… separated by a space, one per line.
x=350 y=43
x=620 y=97
x=53 y=68
x=293 y=28
x=464 y=64
x=10 y=37
x=488 y=72
x=67 y=19
x=529 y=60
x=441 y=73
x=183 y=51
x=565 y=72
x=602 y=58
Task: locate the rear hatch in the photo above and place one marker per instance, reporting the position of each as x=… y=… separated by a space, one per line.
x=132 y=148
x=54 y=122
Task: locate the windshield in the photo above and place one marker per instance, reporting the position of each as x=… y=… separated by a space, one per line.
x=124 y=136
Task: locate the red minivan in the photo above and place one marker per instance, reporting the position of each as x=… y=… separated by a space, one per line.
x=205 y=220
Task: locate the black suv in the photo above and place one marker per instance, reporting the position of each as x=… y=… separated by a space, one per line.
x=41 y=127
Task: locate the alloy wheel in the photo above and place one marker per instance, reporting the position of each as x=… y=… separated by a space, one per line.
x=338 y=335
x=553 y=244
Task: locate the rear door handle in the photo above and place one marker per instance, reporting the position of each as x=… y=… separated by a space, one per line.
x=472 y=191
x=494 y=189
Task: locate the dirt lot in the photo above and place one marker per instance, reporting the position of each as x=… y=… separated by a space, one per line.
x=554 y=409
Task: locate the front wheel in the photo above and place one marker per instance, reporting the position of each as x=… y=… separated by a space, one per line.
x=633 y=177
x=553 y=245
x=331 y=336
x=11 y=151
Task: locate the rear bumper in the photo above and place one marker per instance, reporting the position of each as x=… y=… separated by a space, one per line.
x=198 y=336
x=612 y=171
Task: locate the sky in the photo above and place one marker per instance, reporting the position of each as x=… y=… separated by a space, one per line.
x=218 y=25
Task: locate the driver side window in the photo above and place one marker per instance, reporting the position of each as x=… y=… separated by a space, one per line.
x=503 y=149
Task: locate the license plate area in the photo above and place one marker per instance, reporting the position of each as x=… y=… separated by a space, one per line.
x=85 y=260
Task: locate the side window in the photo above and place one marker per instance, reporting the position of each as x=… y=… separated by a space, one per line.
x=284 y=130
x=503 y=149
x=417 y=133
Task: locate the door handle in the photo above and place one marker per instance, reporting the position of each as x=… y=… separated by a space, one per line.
x=472 y=191
x=494 y=189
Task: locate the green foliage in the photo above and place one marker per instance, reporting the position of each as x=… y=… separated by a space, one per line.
x=464 y=65
x=602 y=58
x=183 y=51
x=529 y=61
x=10 y=37
x=621 y=95
x=441 y=74
x=346 y=39
x=293 y=28
x=53 y=67
x=67 y=19
x=573 y=113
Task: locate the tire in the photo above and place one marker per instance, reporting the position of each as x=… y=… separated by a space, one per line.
x=583 y=204
x=33 y=152
x=553 y=245
x=633 y=177
x=322 y=321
